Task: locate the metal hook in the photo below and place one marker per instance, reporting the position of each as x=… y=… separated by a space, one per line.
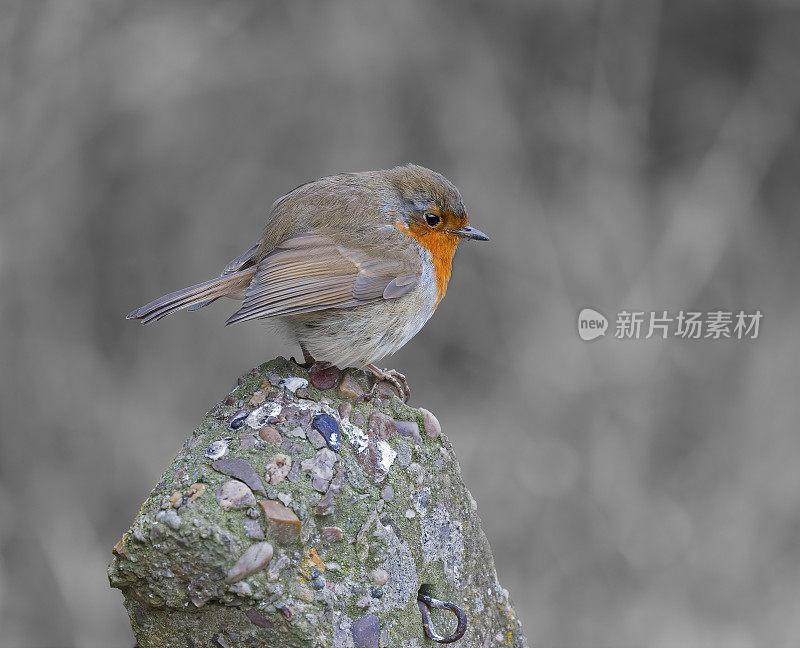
x=425 y=603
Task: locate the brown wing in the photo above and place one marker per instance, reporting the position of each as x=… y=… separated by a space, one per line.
x=309 y=272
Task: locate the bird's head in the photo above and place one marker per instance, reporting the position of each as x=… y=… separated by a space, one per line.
x=433 y=214
x=431 y=205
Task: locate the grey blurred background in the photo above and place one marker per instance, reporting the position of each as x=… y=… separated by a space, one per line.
x=634 y=154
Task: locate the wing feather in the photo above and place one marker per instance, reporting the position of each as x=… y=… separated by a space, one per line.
x=310 y=272
x=399 y=286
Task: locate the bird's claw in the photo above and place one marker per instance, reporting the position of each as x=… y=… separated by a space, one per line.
x=308 y=359
x=394 y=378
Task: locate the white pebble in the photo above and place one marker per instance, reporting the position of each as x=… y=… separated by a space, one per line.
x=233 y=494
x=432 y=426
x=217 y=450
x=380 y=576
x=252 y=560
x=293 y=383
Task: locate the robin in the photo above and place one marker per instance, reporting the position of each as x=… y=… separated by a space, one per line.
x=354 y=264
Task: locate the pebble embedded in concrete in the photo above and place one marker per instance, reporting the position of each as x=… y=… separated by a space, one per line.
x=432 y=426
x=237 y=420
x=328 y=427
x=253 y=530
x=409 y=429
x=323 y=376
x=233 y=495
x=248 y=440
x=366 y=631
x=276 y=566
x=241 y=470
x=379 y=576
x=258 y=398
x=282 y=523
x=376 y=459
x=217 y=449
x=278 y=468
x=315 y=438
x=254 y=558
x=325 y=505
x=270 y=435
x=331 y=533
x=293 y=383
x=349 y=389
x=381 y=426
x=321 y=465
x=305 y=394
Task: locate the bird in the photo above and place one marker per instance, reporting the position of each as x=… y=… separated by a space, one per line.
x=353 y=264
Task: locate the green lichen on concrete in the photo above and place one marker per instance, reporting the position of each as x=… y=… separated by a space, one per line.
x=172 y=565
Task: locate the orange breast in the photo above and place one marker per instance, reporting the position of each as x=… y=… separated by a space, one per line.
x=442 y=247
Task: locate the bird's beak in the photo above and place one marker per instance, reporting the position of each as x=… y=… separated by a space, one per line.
x=470 y=233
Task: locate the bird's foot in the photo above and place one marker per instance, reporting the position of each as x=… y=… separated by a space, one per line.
x=308 y=359
x=394 y=378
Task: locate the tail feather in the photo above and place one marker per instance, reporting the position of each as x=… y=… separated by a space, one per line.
x=201 y=304
x=199 y=295
x=239 y=263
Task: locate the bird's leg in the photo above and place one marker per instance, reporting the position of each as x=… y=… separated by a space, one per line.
x=308 y=359
x=394 y=378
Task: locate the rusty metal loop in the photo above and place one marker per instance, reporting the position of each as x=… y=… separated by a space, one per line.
x=426 y=602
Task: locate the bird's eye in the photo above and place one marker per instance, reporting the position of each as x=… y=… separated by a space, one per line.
x=432 y=219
